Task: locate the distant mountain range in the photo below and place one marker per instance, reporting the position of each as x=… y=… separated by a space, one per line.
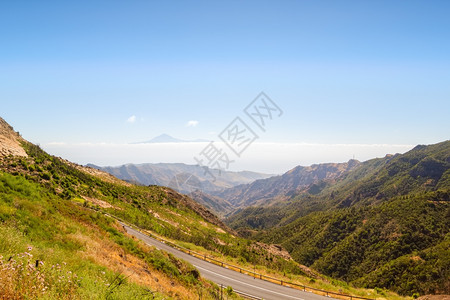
x=165 y=138
x=267 y=191
x=182 y=177
x=187 y=179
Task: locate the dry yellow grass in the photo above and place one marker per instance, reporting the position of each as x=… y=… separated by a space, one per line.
x=106 y=253
x=99 y=174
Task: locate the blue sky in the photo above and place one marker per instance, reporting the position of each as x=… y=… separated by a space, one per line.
x=344 y=72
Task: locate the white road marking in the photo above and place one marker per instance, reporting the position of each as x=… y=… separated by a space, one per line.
x=257 y=287
x=229 y=278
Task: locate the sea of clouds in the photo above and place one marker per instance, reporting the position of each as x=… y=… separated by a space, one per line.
x=273 y=158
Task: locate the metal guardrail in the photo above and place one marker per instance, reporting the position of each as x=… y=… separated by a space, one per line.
x=244 y=271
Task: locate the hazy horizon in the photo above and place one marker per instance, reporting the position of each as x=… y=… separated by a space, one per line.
x=336 y=73
x=271 y=158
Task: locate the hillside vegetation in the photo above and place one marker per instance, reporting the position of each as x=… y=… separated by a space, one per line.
x=52 y=248
x=384 y=224
x=57 y=243
x=379 y=224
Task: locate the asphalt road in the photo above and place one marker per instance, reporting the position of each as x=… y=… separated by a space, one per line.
x=223 y=276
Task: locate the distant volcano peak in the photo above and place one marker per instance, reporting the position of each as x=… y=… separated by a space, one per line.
x=165 y=138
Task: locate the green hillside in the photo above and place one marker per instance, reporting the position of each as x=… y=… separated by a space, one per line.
x=401 y=244
x=52 y=211
x=384 y=224
x=52 y=248
x=425 y=168
x=55 y=245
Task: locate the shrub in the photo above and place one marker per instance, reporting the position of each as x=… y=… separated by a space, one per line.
x=46 y=176
x=23 y=277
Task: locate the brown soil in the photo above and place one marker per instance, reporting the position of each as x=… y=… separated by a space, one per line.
x=101 y=203
x=275 y=250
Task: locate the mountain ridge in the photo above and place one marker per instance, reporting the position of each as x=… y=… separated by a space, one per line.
x=383 y=224
x=276 y=188
x=182 y=177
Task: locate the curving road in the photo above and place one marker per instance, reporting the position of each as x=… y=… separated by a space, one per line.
x=223 y=276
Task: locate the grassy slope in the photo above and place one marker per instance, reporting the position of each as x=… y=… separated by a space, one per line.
x=42 y=209
x=47 y=203
x=84 y=254
x=44 y=197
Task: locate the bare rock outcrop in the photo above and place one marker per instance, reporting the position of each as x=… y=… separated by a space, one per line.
x=10 y=141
